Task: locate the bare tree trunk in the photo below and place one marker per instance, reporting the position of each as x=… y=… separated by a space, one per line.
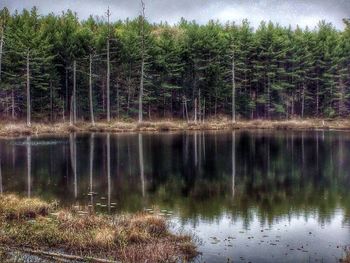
x=108 y=72
x=292 y=113
x=90 y=93
x=164 y=102
x=142 y=59
x=129 y=91
x=268 y=98
x=195 y=110
x=1 y=48
x=317 y=99
x=28 y=94
x=233 y=89
x=118 y=101
x=103 y=98
x=199 y=105
x=186 y=109
x=203 y=117
x=71 y=112
x=74 y=92
x=303 y=102
x=67 y=95
x=13 y=103
x=341 y=103
x=63 y=113
x=183 y=108
x=51 y=102
x=141 y=93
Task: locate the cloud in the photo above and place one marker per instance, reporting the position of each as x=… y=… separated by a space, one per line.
x=284 y=12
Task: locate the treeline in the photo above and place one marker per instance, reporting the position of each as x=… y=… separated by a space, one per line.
x=56 y=67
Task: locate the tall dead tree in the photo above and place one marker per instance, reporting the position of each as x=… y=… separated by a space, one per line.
x=108 y=70
x=12 y=103
x=74 y=92
x=199 y=111
x=51 y=102
x=303 y=102
x=28 y=94
x=90 y=93
x=1 y=48
x=233 y=87
x=142 y=18
x=185 y=108
x=195 y=110
x=67 y=94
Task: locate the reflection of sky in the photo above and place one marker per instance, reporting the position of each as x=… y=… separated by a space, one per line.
x=293 y=239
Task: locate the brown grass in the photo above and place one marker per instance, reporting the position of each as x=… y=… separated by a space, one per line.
x=222 y=123
x=34 y=224
x=13 y=207
x=347 y=256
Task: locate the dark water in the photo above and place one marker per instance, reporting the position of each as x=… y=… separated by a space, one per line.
x=248 y=196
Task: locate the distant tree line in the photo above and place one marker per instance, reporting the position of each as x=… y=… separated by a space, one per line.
x=57 y=67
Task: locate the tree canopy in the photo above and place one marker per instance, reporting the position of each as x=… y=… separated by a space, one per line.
x=280 y=72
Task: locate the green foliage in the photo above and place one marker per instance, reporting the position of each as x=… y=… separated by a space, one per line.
x=280 y=72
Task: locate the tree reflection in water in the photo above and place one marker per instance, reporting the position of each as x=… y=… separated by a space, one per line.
x=196 y=175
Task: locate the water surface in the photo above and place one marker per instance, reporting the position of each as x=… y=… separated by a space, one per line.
x=259 y=196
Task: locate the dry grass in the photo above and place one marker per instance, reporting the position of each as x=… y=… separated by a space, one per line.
x=347 y=256
x=13 y=207
x=222 y=123
x=34 y=224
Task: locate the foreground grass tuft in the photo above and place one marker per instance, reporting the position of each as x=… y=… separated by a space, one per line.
x=13 y=207
x=347 y=256
x=37 y=225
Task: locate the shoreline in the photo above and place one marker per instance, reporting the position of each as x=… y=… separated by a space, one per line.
x=34 y=227
x=18 y=129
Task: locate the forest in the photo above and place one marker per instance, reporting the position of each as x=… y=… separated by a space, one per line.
x=60 y=68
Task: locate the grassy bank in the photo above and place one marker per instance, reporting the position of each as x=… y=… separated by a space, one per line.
x=347 y=256
x=36 y=227
x=20 y=129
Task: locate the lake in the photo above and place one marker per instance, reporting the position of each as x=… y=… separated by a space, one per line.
x=247 y=196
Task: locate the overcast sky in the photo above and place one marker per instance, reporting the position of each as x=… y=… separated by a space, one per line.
x=285 y=12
